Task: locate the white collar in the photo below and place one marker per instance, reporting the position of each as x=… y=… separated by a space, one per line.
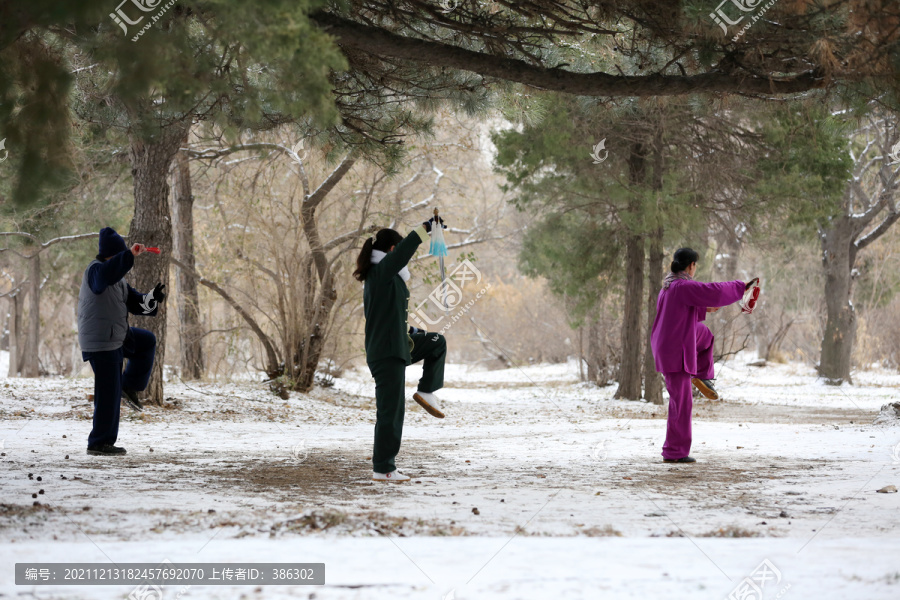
x=377 y=255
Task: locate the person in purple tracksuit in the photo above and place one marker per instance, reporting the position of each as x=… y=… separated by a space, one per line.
x=683 y=346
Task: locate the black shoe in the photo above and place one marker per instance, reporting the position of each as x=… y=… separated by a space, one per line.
x=131 y=399
x=706 y=388
x=686 y=459
x=105 y=450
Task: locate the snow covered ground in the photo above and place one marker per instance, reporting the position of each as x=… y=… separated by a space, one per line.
x=535 y=486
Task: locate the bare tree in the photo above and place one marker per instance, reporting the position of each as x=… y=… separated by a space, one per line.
x=868 y=210
x=191 y=331
x=25 y=350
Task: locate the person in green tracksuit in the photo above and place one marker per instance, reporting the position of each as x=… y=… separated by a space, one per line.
x=392 y=345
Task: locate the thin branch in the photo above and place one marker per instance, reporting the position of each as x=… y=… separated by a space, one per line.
x=332 y=180
x=271 y=354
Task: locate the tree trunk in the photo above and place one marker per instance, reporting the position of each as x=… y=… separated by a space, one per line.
x=31 y=365
x=653 y=384
x=188 y=294
x=581 y=374
x=16 y=340
x=840 y=325
x=309 y=360
x=4 y=331
x=759 y=327
x=150 y=160
x=309 y=350
x=598 y=367
x=630 y=369
x=320 y=307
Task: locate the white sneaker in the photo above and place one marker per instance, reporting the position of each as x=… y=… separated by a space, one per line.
x=394 y=476
x=430 y=403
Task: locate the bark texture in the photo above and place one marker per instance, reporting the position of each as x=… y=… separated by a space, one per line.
x=151 y=225
x=838 y=257
x=191 y=331
x=630 y=367
x=653 y=382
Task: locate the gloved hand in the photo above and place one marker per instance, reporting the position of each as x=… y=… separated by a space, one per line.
x=158 y=293
x=153 y=298
x=427 y=224
x=751 y=283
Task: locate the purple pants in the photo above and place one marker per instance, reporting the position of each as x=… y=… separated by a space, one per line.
x=678 y=426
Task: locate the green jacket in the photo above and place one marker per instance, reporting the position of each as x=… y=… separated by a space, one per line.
x=386 y=302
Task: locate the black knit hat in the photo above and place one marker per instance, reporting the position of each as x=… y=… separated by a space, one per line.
x=111 y=243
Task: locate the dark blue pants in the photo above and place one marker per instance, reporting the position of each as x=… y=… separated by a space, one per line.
x=139 y=349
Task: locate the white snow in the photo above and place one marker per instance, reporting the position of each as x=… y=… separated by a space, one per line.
x=573 y=501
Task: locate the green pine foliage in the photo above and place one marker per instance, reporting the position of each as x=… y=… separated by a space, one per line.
x=805 y=168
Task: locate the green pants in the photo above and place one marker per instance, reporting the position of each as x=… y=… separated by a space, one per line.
x=390 y=394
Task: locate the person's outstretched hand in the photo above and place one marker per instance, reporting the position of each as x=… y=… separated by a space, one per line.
x=751 y=283
x=137 y=249
x=427 y=224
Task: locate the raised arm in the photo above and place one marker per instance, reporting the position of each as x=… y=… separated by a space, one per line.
x=400 y=256
x=105 y=274
x=695 y=293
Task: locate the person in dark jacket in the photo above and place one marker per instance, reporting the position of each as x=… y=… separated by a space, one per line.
x=391 y=344
x=106 y=340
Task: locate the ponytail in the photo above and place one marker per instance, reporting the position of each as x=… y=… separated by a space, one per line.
x=383 y=241
x=364 y=261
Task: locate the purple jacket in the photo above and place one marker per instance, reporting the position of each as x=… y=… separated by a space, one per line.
x=678 y=310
